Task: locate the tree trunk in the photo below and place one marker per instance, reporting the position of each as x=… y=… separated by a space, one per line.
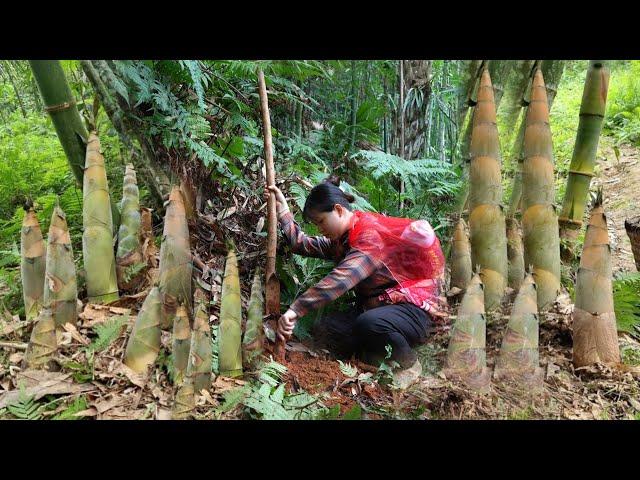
x=581 y=169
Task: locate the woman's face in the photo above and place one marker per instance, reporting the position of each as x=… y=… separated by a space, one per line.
x=333 y=224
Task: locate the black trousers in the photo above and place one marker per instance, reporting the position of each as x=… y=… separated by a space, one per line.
x=366 y=334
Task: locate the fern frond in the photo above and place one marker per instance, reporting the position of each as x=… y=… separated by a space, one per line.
x=108 y=332
x=25 y=407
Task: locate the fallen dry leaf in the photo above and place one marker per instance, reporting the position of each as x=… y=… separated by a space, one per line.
x=39 y=383
x=138 y=379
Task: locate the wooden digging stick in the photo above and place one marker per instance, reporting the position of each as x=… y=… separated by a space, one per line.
x=272 y=283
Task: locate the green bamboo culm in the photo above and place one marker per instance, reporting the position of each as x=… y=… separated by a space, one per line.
x=70 y=128
x=129 y=251
x=60 y=286
x=200 y=356
x=254 y=334
x=144 y=342
x=541 y=238
x=32 y=264
x=229 y=337
x=61 y=106
x=181 y=343
x=486 y=218
x=97 y=222
x=581 y=169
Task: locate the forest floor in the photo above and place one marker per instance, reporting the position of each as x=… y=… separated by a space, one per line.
x=89 y=380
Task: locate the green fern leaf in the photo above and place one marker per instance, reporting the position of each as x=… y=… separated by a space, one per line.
x=108 y=332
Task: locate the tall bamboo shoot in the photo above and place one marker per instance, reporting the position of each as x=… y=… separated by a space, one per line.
x=201 y=349
x=60 y=286
x=144 y=343
x=461 y=271
x=519 y=357
x=129 y=249
x=175 y=259
x=466 y=354
x=595 y=336
x=254 y=333
x=32 y=265
x=97 y=237
x=230 y=350
x=185 y=401
x=515 y=253
x=486 y=219
x=539 y=219
x=181 y=344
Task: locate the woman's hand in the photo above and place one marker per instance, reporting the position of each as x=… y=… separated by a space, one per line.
x=281 y=202
x=285 y=324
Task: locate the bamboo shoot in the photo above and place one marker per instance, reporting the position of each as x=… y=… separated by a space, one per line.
x=32 y=265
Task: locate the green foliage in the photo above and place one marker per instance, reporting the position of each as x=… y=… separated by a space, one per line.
x=626 y=302
x=622 y=119
x=132 y=270
x=348 y=369
x=25 y=407
x=79 y=404
x=630 y=355
x=108 y=332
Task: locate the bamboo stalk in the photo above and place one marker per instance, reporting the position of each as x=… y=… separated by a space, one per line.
x=97 y=237
x=144 y=343
x=60 y=287
x=595 y=336
x=61 y=106
x=32 y=264
x=581 y=169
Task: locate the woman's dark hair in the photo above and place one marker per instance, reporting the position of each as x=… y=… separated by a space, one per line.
x=324 y=196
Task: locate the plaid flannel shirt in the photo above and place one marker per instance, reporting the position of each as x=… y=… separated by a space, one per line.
x=354 y=270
